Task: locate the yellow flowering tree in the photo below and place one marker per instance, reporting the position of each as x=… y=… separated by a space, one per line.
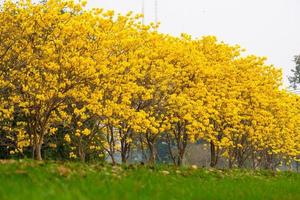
x=107 y=84
x=51 y=60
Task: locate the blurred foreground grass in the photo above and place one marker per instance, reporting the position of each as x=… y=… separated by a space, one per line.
x=33 y=180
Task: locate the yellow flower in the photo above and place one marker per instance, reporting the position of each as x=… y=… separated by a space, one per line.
x=72 y=155
x=86 y=132
x=52 y=145
x=67 y=138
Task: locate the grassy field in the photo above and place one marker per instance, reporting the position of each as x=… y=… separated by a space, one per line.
x=70 y=181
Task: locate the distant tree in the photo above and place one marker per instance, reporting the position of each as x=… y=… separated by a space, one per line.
x=295 y=78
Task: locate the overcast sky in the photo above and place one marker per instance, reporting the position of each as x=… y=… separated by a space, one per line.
x=268 y=28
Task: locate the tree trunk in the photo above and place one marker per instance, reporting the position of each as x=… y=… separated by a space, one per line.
x=125 y=144
x=240 y=161
x=169 y=142
x=181 y=140
x=230 y=164
x=38 y=151
x=181 y=150
x=124 y=157
x=152 y=149
x=33 y=152
x=125 y=151
x=152 y=157
x=179 y=161
x=230 y=160
x=213 y=156
x=81 y=154
x=180 y=158
x=253 y=161
x=113 y=160
x=144 y=156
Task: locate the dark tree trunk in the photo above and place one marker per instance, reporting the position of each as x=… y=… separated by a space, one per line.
x=169 y=142
x=180 y=157
x=124 y=157
x=230 y=160
x=125 y=150
x=181 y=138
x=113 y=160
x=144 y=156
x=81 y=154
x=37 y=146
x=152 y=148
x=152 y=156
x=38 y=151
x=213 y=155
x=125 y=145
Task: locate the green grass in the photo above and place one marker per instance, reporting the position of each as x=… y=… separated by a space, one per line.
x=70 y=181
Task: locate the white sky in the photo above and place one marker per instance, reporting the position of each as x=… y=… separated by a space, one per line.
x=268 y=28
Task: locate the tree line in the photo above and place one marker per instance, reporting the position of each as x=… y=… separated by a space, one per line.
x=87 y=84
